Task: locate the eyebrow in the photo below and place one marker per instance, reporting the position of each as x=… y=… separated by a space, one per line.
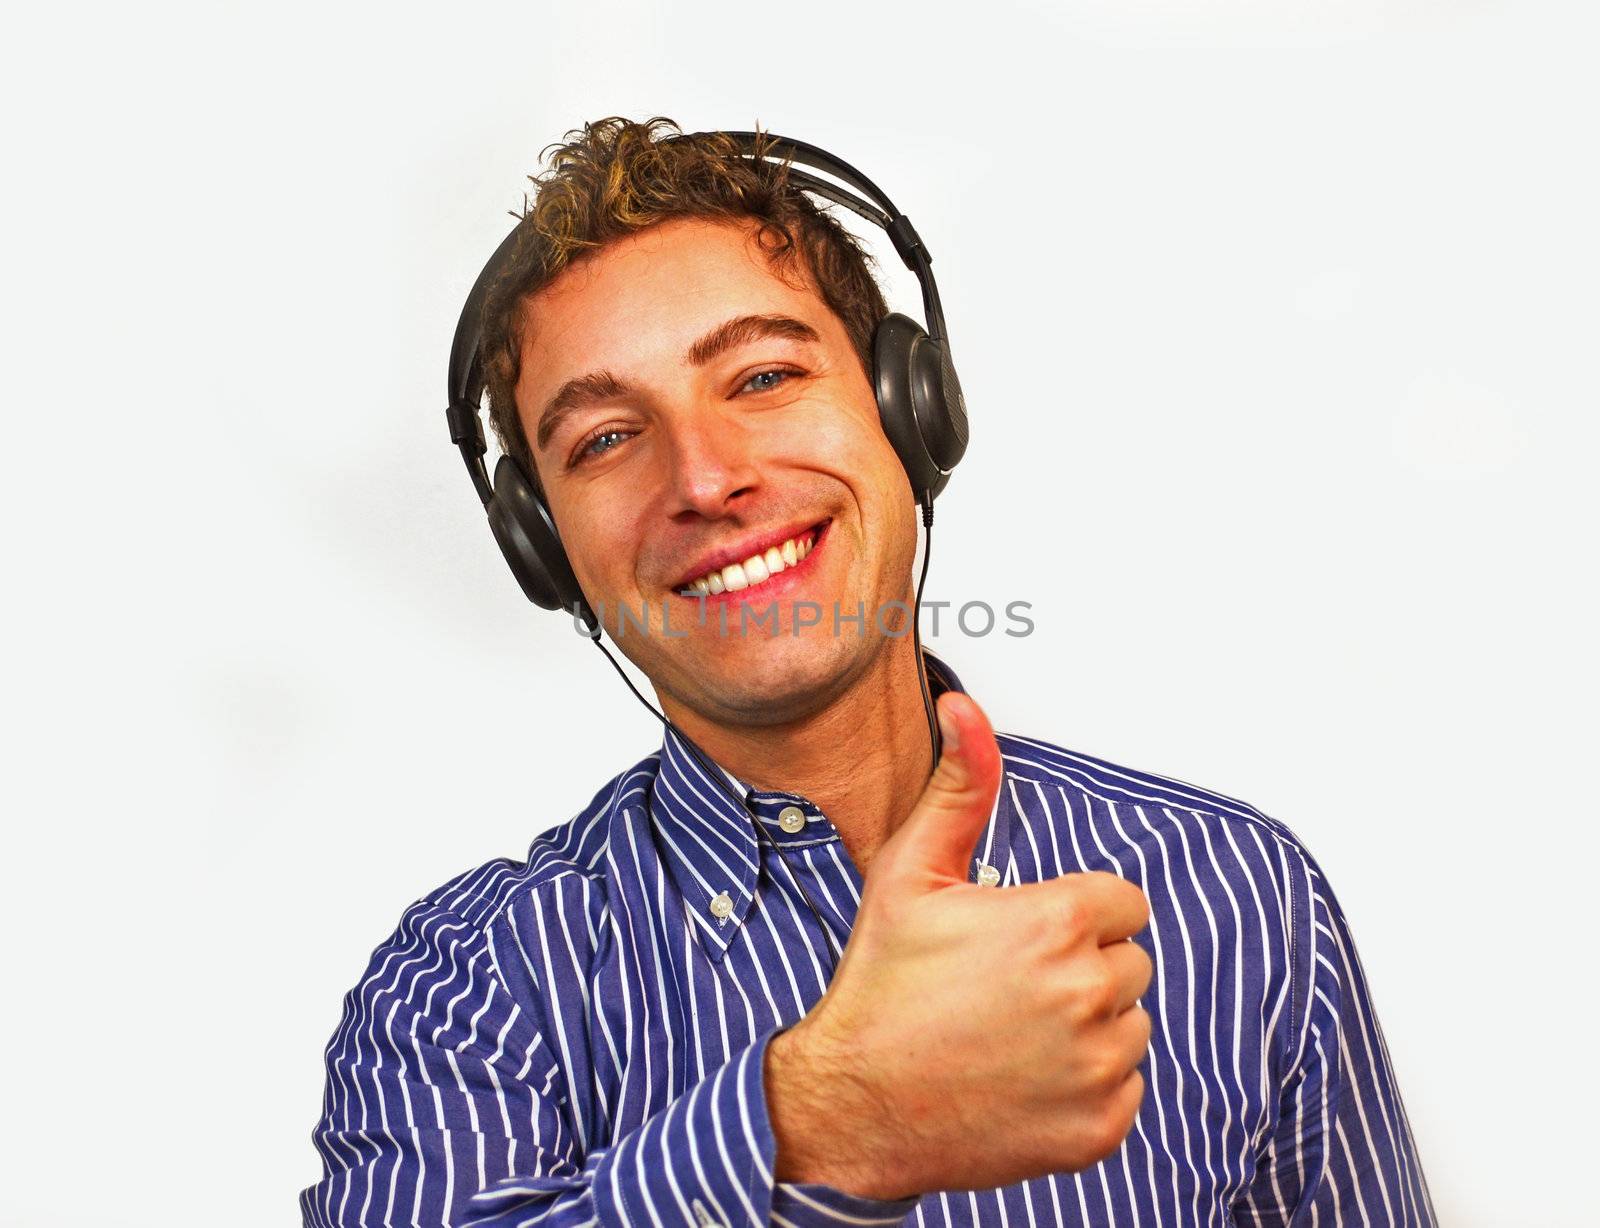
x=596 y=386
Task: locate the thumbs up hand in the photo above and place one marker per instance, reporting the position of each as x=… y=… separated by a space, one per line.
x=972 y=1037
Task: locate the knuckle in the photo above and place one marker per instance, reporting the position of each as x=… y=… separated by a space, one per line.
x=1071 y=918
x=1092 y=987
x=1098 y=993
x=1088 y=995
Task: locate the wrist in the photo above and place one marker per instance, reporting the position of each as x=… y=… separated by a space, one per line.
x=823 y=1135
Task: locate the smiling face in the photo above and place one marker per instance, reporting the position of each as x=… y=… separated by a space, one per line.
x=689 y=410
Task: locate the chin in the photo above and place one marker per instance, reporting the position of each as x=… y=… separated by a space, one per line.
x=771 y=680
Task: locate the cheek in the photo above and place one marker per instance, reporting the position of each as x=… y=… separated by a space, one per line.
x=879 y=464
x=600 y=542
x=854 y=447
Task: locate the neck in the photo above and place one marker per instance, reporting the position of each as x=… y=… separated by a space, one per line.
x=864 y=760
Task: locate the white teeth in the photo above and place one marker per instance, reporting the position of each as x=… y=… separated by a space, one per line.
x=753 y=570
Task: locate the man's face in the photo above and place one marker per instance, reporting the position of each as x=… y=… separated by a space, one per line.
x=672 y=442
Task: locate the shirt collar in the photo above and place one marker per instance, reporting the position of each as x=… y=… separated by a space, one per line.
x=711 y=846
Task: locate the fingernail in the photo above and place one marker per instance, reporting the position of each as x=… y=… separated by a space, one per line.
x=949 y=730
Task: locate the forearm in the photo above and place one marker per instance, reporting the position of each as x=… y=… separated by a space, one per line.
x=705 y=1158
x=713 y=1150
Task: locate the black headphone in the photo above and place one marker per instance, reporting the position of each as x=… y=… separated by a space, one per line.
x=918 y=394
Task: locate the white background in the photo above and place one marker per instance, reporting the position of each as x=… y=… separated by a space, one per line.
x=1278 y=326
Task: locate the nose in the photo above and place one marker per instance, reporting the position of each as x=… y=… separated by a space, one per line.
x=710 y=464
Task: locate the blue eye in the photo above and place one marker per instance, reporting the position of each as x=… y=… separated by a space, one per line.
x=763 y=375
x=590 y=449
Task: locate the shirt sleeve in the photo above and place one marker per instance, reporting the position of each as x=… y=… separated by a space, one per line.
x=444 y=1105
x=1341 y=1150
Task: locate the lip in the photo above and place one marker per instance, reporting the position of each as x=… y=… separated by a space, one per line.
x=774 y=587
x=739 y=551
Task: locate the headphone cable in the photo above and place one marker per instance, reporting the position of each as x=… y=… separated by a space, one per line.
x=934 y=739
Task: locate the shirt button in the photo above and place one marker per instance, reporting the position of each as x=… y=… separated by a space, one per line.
x=791 y=819
x=988 y=876
x=722 y=905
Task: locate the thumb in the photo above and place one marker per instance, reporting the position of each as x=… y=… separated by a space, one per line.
x=938 y=837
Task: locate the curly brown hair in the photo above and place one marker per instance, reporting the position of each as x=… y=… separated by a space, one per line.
x=613 y=178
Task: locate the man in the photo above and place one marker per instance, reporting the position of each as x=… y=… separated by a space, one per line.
x=636 y=1024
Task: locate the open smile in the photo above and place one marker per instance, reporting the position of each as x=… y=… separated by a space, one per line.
x=767 y=572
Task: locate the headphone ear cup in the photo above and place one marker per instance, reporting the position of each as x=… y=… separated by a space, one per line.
x=951 y=442
x=919 y=401
x=527 y=535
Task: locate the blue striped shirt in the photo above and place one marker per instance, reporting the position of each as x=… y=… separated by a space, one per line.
x=577 y=1039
